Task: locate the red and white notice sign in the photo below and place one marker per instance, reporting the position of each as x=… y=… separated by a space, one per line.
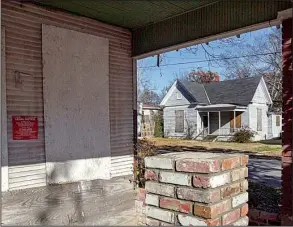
x=25 y=127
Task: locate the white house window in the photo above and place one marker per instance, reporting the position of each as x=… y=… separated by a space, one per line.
x=259 y=119
x=179 y=95
x=278 y=121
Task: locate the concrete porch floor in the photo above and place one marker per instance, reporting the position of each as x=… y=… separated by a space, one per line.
x=100 y=202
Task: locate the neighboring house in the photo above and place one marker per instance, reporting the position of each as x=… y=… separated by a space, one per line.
x=219 y=109
x=274 y=125
x=146 y=120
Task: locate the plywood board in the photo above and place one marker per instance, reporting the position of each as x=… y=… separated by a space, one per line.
x=76 y=105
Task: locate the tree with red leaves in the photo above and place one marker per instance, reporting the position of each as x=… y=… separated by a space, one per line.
x=202 y=77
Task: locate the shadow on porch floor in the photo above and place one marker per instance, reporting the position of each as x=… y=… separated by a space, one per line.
x=99 y=202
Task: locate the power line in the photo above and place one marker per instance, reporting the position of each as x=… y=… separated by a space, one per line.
x=209 y=60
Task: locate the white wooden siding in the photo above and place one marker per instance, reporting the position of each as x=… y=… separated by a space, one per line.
x=245 y=119
x=169 y=120
x=173 y=101
x=252 y=108
x=274 y=130
x=22 y=22
x=259 y=95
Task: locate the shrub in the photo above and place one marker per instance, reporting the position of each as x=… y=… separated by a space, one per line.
x=144 y=148
x=244 y=135
x=159 y=125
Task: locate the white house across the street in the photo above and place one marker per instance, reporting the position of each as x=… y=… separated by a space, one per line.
x=217 y=110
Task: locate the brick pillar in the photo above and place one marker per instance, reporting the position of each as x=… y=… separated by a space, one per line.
x=196 y=189
x=287 y=196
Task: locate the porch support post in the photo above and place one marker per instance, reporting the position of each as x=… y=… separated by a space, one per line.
x=287 y=166
x=208 y=122
x=135 y=115
x=234 y=119
x=219 y=122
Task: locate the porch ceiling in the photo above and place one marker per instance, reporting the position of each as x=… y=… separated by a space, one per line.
x=159 y=26
x=126 y=13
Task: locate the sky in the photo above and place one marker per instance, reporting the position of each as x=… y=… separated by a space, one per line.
x=161 y=76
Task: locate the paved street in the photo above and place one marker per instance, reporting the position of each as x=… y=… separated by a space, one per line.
x=265 y=171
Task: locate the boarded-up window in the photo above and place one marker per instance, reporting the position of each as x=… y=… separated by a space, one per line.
x=278 y=121
x=259 y=119
x=237 y=120
x=179 y=121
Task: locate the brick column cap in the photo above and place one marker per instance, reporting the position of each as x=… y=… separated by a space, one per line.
x=196 y=162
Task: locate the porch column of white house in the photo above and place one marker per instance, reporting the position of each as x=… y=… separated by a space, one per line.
x=234 y=120
x=219 y=132
x=208 y=122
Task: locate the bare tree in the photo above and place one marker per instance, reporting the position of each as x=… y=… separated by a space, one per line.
x=145 y=89
x=240 y=59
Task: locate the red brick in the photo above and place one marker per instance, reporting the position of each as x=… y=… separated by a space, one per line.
x=200 y=166
x=244 y=185
x=197 y=195
x=244 y=210
x=231 y=217
x=230 y=190
x=188 y=220
x=213 y=222
x=269 y=216
x=151 y=175
x=230 y=163
x=141 y=194
x=201 y=181
x=244 y=160
x=212 y=211
x=175 y=204
x=215 y=181
x=253 y=214
x=241 y=173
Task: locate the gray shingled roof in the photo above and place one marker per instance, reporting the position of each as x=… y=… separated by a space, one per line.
x=196 y=90
x=238 y=91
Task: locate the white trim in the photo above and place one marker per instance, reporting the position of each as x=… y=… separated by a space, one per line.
x=208 y=122
x=206 y=94
x=177 y=106
x=169 y=93
x=3 y=113
x=234 y=119
x=285 y=14
x=211 y=38
x=267 y=93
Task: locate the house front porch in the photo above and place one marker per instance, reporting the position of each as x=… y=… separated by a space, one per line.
x=220 y=120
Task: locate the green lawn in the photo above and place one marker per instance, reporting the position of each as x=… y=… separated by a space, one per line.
x=261 y=147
